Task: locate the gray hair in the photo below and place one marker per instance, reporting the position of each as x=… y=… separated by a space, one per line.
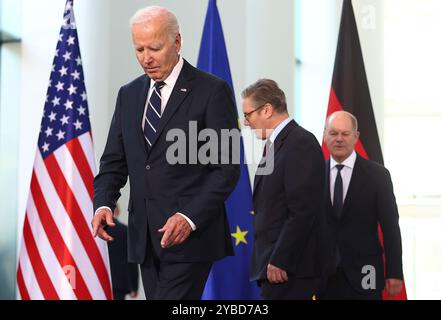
x=146 y=14
x=348 y=114
x=266 y=91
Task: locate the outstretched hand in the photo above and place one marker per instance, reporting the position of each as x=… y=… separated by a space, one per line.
x=176 y=230
x=100 y=221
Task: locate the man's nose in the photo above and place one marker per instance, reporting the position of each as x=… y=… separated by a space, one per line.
x=147 y=57
x=246 y=122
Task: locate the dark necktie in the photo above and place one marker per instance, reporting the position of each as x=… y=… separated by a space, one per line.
x=338 y=191
x=265 y=151
x=338 y=205
x=153 y=114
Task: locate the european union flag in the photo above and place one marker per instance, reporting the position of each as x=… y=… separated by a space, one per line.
x=229 y=277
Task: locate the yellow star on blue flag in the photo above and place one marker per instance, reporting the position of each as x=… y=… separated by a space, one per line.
x=239 y=235
x=229 y=277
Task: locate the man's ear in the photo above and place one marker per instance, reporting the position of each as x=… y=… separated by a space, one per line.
x=178 y=42
x=269 y=110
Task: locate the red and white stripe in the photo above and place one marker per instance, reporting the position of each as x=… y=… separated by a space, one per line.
x=59 y=258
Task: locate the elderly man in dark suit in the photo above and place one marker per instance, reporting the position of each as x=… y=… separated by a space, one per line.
x=359 y=197
x=177 y=220
x=287 y=197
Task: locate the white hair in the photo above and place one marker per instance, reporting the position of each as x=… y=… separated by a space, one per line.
x=145 y=15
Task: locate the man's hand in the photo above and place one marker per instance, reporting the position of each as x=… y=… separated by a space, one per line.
x=394 y=286
x=275 y=274
x=133 y=294
x=101 y=219
x=176 y=230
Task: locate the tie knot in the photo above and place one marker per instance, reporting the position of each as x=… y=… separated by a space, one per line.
x=339 y=167
x=159 y=85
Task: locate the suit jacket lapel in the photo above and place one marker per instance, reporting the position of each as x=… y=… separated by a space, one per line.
x=272 y=155
x=261 y=167
x=328 y=199
x=355 y=185
x=140 y=106
x=282 y=135
x=328 y=185
x=182 y=88
x=258 y=177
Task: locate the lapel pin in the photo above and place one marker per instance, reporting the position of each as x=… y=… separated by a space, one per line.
x=183 y=90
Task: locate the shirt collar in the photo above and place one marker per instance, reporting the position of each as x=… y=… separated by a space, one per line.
x=349 y=161
x=278 y=129
x=173 y=76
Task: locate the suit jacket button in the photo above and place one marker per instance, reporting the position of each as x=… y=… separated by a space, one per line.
x=147 y=167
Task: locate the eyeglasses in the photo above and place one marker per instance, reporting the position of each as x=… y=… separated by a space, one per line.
x=247 y=114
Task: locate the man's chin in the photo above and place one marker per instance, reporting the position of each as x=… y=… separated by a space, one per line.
x=259 y=136
x=340 y=155
x=262 y=134
x=153 y=75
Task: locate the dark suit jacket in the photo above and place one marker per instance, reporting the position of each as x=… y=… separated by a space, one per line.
x=288 y=206
x=124 y=274
x=370 y=200
x=159 y=189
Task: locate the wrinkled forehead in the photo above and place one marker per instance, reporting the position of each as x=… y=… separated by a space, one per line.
x=143 y=34
x=152 y=26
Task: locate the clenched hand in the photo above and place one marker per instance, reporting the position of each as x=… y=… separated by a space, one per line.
x=394 y=286
x=275 y=274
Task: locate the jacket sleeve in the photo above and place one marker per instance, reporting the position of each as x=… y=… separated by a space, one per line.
x=113 y=171
x=304 y=184
x=388 y=218
x=223 y=175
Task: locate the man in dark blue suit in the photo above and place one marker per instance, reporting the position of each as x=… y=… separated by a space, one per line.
x=358 y=197
x=287 y=197
x=177 y=220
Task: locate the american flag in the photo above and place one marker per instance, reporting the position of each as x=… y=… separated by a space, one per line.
x=58 y=257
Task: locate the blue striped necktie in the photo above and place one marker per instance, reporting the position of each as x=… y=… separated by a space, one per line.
x=153 y=114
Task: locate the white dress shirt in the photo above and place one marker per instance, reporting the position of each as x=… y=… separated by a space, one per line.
x=278 y=129
x=166 y=89
x=346 y=174
x=270 y=140
x=165 y=96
